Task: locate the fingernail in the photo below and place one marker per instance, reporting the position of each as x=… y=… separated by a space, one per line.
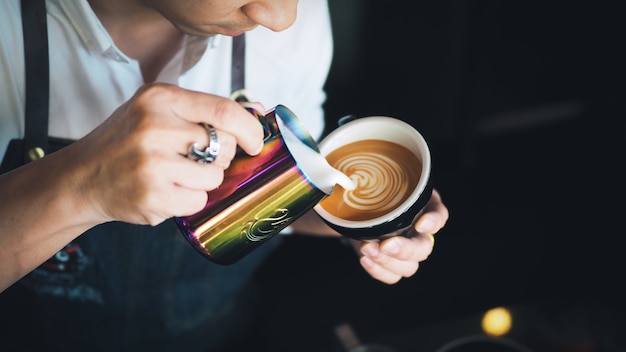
x=425 y=225
x=391 y=246
x=259 y=148
x=367 y=262
x=369 y=250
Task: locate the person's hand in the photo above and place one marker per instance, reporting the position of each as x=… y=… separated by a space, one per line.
x=396 y=257
x=134 y=167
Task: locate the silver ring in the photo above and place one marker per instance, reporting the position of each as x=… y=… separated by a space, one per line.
x=208 y=154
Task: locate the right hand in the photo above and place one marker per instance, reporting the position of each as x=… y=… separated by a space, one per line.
x=133 y=167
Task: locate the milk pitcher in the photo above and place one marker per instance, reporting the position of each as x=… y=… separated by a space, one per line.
x=262 y=194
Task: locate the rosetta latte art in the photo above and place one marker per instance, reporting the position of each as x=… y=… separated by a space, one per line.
x=385 y=174
x=380 y=181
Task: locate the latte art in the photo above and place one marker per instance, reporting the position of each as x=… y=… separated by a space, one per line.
x=385 y=174
x=380 y=181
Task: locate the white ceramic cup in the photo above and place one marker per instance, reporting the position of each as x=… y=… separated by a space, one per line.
x=399 y=218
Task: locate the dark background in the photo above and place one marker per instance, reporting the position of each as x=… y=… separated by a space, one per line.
x=523 y=106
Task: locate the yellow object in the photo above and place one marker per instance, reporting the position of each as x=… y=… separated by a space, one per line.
x=36 y=153
x=497 y=321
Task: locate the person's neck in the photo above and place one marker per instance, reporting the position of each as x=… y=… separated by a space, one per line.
x=140 y=32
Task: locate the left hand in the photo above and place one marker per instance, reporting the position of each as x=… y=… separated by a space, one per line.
x=396 y=257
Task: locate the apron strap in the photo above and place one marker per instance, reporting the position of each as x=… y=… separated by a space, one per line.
x=35 y=32
x=238 y=69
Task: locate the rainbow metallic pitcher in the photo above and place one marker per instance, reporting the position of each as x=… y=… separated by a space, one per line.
x=261 y=194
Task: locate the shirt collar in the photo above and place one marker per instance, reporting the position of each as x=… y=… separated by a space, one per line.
x=90 y=30
x=98 y=41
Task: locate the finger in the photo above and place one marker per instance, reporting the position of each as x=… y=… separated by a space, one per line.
x=187 y=173
x=187 y=201
x=434 y=216
x=226 y=142
x=161 y=200
x=414 y=249
x=224 y=114
x=196 y=176
x=381 y=273
x=394 y=265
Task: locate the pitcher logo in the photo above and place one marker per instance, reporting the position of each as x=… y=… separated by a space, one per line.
x=259 y=229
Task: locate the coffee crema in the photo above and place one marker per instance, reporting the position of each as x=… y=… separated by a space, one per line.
x=385 y=174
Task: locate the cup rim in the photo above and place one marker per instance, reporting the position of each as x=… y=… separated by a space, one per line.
x=423 y=187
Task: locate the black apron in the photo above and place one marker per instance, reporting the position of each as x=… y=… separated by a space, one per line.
x=119 y=286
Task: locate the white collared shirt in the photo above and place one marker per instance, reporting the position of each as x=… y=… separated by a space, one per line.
x=90 y=77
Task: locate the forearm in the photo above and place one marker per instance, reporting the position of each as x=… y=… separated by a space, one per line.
x=40 y=212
